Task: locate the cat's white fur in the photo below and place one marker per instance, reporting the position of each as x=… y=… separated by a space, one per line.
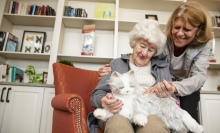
x=138 y=106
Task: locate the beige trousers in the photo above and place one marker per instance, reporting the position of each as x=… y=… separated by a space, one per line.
x=120 y=124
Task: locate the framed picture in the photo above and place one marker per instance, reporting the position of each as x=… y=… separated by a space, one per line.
x=33 y=42
x=217 y=18
x=147 y=16
x=45 y=77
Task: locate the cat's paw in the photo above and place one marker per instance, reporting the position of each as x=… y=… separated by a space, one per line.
x=199 y=129
x=140 y=119
x=100 y=114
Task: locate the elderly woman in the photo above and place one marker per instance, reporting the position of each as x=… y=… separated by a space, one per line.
x=147 y=41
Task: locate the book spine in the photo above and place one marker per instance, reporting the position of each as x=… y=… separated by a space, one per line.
x=13 y=7
x=2 y=40
x=33 y=9
x=10 y=7
x=16 y=7
x=5 y=41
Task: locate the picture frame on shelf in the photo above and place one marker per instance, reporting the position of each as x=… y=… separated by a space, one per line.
x=217 y=19
x=44 y=77
x=150 y=16
x=33 y=42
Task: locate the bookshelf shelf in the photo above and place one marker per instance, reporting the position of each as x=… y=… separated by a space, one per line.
x=156 y=5
x=216 y=31
x=76 y=22
x=24 y=56
x=31 y=20
x=214 y=65
x=85 y=59
x=126 y=26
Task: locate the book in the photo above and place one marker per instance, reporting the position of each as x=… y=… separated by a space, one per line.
x=10 y=7
x=13 y=7
x=2 y=39
x=4 y=71
x=11 y=42
x=5 y=40
x=17 y=74
x=105 y=10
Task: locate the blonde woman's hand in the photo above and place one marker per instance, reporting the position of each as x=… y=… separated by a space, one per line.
x=111 y=104
x=165 y=88
x=162 y=89
x=104 y=70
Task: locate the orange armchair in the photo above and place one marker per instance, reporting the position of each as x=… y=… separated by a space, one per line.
x=73 y=88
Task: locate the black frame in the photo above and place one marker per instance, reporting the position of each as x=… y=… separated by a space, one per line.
x=33 y=42
x=45 y=75
x=149 y=16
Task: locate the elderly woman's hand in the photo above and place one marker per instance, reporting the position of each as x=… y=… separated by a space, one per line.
x=162 y=89
x=104 y=70
x=111 y=104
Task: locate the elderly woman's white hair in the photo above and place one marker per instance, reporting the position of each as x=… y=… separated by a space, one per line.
x=149 y=30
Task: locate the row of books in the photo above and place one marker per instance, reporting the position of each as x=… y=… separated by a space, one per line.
x=8 y=41
x=75 y=12
x=216 y=21
x=26 y=9
x=11 y=73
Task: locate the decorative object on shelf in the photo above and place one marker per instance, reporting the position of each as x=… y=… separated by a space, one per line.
x=8 y=42
x=150 y=16
x=47 y=47
x=105 y=10
x=66 y=62
x=33 y=42
x=34 y=78
x=88 y=37
x=218 y=87
x=45 y=77
x=212 y=50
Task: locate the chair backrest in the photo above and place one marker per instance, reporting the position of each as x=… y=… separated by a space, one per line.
x=72 y=80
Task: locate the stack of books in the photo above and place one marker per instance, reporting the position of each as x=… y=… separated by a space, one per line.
x=75 y=12
x=8 y=42
x=11 y=73
x=27 y=9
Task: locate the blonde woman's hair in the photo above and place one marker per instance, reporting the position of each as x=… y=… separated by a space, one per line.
x=149 y=30
x=196 y=15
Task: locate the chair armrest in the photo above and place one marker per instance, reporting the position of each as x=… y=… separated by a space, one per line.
x=64 y=102
x=74 y=104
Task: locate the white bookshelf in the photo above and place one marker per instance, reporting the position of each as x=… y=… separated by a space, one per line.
x=111 y=36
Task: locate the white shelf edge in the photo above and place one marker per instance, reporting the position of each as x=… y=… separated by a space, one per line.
x=27 y=56
x=85 y=59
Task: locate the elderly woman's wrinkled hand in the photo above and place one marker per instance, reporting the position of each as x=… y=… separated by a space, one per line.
x=111 y=104
x=104 y=70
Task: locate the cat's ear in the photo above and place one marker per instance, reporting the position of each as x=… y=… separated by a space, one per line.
x=115 y=74
x=131 y=72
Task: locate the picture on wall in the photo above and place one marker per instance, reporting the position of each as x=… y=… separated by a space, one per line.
x=154 y=17
x=33 y=42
